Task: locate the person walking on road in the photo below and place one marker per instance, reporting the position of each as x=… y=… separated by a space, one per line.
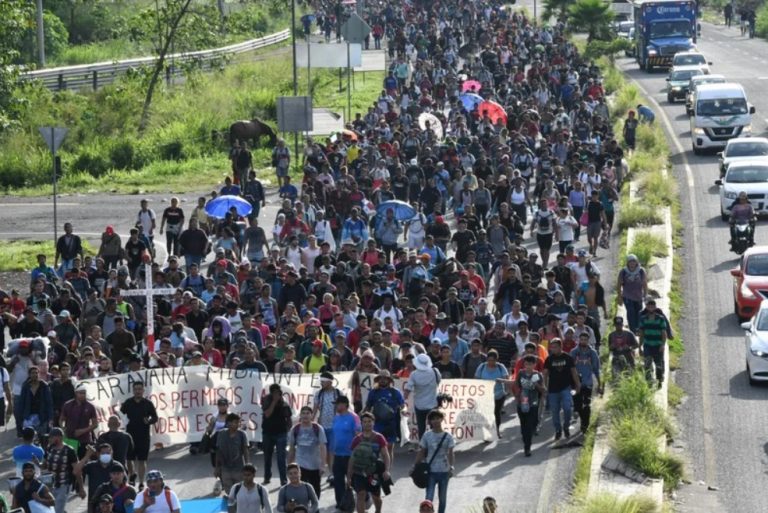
x=622 y=344
x=275 y=425
x=79 y=419
x=172 y=222
x=560 y=377
x=60 y=461
x=231 y=452
x=248 y=496
x=436 y=447
x=141 y=414
x=296 y=493
x=307 y=448
x=632 y=287
x=653 y=338
x=423 y=383
x=364 y=473
x=728 y=14
x=346 y=424
x=587 y=363
x=157 y=497
x=68 y=247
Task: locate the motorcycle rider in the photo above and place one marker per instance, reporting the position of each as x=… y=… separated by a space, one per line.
x=741 y=213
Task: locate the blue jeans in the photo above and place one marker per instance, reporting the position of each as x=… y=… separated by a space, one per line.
x=440 y=480
x=562 y=400
x=66 y=265
x=193 y=259
x=633 y=313
x=271 y=443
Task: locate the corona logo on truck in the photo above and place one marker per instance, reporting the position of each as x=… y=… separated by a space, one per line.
x=663 y=28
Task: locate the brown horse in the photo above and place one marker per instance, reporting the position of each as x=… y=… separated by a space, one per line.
x=251 y=131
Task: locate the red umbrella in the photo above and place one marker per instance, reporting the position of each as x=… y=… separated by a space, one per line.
x=471 y=85
x=494 y=110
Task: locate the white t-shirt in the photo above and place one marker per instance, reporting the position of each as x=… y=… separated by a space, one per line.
x=161 y=502
x=145 y=220
x=250 y=501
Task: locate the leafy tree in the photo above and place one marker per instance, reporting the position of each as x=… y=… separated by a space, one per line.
x=15 y=16
x=609 y=49
x=168 y=17
x=557 y=9
x=56 y=37
x=593 y=17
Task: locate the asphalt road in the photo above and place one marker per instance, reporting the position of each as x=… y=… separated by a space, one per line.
x=723 y=419
x=538 y=484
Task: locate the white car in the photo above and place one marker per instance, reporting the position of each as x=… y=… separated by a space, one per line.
x=691 y=58
x=757 y=345
x=750 y=176
x=696 y=81
x=742 y=148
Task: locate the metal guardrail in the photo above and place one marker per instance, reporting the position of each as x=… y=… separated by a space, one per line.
x=99 y=74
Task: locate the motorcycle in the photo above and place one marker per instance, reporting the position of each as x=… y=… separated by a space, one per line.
x=742 y=239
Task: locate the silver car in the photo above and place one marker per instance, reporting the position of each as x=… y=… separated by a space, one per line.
x=757 y=345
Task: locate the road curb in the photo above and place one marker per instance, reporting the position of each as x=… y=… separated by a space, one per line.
x=608 y=474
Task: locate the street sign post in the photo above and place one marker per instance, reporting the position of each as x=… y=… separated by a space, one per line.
x=354 y=30
x=54 y=136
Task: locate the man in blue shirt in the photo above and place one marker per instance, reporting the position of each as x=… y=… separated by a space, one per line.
x=346 y=425
x=587 y=363
x=43 y=270
x=645 y=114
x=288 y=190
x=229 y=189
x=27 y=452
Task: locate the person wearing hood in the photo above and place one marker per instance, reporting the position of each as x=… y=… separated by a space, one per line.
x=632 y=287
x=221 y=333
x=111 y=248
x=422 y=383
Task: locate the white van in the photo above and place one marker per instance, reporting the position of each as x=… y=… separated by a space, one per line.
x=720 y=112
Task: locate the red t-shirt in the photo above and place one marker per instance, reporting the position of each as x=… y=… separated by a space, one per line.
x=377 y=440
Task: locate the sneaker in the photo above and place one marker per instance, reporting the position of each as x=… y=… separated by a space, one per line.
x=567 y=432
x=217 y=488
x=558 y=435
x=527 y=453
x=266 y=481
x=141 y=487
x=329 y=479
x=536 y=431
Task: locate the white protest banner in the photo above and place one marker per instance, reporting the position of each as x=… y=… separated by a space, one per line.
x=185 y=398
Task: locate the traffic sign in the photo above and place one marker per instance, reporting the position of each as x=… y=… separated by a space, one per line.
x=53 y=136
x=355 y=30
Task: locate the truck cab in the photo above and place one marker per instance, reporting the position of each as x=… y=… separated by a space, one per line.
x=662 y=29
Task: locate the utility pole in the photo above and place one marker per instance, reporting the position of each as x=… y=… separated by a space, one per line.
x=40 y=35
x=295 y=78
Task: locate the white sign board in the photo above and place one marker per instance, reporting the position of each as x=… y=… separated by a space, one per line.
x=320 y=55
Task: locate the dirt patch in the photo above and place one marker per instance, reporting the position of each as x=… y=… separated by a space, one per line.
x=15 y=280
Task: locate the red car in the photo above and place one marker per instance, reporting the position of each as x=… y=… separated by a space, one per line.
x=750 y=285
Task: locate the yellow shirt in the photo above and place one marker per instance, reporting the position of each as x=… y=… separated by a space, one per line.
x=352 y=154
x=313 y=364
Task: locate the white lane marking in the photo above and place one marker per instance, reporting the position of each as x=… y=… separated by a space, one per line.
x=706 y=407
x=46 y=205
x=762 y=78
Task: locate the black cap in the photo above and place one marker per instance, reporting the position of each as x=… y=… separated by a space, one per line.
x=116 y=467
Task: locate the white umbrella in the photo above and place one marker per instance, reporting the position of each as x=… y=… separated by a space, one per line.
x=434 y=124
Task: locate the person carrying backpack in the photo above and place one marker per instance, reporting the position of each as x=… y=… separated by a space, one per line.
x=248 y=496
x=307 y=448
x=324 y=410
x=363 y=471
x=156 y=497
x=386 y=402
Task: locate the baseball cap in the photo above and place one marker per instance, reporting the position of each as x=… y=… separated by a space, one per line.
x=317 y=343
x=64 y=314
x=52 y=334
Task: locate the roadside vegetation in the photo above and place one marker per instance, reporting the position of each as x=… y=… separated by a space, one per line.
x=182 y=148
x=21 y=255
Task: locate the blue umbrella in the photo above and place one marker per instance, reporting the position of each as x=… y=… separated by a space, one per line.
x=403 y=211
x=469 y=100
x=219 y=207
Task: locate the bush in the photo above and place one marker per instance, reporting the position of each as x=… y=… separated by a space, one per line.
x=56 y=39
x=611 y=503
x=121 y=154
x=658 y=189
x=92 y=161
x=647 y=245
x=638 y=214
x=761 y=21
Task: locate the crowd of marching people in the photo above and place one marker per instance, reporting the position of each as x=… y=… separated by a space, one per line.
x=403 y=253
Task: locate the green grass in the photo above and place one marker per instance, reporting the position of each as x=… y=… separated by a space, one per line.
x=182 y=149
x=637 y=425
x=21 y=255
x=605 y=503
x=675 y=395
x=584 y=463
x=639 y=214
x=646 y=246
